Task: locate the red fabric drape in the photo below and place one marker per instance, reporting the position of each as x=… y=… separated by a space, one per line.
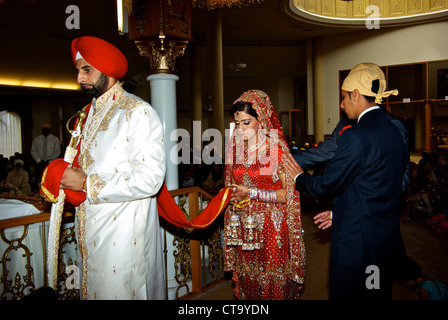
x=166 y=205
x=51 y=180
x=52 y=176
x=169 y=210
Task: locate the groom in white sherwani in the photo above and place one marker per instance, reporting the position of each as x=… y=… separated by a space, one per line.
x=122 y=167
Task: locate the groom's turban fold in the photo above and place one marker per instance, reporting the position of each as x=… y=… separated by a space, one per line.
x=102 y=55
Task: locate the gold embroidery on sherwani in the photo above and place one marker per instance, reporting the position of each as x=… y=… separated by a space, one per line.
x=96 y=184
x=129 y=104
x=81 y=222
x=99 y=122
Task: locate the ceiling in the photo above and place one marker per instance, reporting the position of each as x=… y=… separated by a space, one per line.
x=36 y=41
x=264 y=23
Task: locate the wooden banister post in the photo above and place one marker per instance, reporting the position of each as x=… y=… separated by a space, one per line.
x=195 y=247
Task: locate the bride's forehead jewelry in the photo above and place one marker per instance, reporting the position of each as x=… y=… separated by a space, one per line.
x=237 y=114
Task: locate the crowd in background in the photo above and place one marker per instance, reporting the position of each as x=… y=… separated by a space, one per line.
x=426 y=197
x=18 y=175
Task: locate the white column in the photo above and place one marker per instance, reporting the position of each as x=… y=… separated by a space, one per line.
x=163 y=100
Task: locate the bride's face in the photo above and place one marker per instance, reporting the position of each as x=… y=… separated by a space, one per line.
x=246 y=125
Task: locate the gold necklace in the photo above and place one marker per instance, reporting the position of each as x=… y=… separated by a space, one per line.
x=258 y=144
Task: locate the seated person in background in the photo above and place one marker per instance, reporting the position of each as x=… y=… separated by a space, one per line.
x=19 y=179
x=188 y=176
x=427 y=287
x=215 y=179
x=429 y=201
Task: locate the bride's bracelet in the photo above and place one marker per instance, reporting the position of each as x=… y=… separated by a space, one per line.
x=263 y=195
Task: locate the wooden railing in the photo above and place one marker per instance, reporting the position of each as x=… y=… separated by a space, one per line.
x=198 y=254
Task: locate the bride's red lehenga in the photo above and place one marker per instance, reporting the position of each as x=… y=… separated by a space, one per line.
x=264 y=245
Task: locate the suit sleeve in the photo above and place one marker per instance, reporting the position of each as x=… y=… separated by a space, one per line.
x=311 y=157
x=338 y=172
x=322 y=153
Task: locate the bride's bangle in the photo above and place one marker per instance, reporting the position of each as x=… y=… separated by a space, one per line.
x=253 y=193
x=263 y=195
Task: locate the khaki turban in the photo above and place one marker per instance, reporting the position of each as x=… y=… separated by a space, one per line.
x=361 y=78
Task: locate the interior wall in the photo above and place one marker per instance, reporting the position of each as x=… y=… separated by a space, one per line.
x=427 y=42
x=45 y=111
x=272 y=69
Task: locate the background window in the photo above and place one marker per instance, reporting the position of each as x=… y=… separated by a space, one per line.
x=10 y=133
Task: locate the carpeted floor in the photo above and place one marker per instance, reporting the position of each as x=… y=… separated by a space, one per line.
x=428 y=248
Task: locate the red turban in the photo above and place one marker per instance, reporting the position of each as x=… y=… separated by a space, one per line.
x=102 y=55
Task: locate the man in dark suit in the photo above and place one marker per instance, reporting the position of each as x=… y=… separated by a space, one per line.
x=365 y=178
x=326 y=150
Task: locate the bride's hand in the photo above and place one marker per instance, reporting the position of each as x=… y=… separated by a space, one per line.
x=240 y=192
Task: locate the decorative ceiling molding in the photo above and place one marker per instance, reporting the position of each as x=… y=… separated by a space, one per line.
x=362 y=13
x=217 y=4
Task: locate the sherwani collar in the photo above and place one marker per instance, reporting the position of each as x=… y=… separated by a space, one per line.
x=114 y=93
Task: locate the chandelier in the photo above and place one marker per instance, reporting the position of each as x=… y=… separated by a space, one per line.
x=215 y=4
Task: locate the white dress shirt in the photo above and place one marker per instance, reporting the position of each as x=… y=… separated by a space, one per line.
x=50 y=153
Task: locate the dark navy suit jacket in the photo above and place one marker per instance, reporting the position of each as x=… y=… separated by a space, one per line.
x=309 y=158
x=365 y=177
x=325 y=151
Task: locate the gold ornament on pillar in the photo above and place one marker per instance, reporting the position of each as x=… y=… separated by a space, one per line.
x=161 y=30
x=162 y=54
x=215 y=4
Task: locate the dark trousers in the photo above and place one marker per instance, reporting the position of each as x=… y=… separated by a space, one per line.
x=40 y=167
x=350 y=284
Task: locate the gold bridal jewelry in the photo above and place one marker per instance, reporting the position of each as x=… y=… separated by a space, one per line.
x=258 y=144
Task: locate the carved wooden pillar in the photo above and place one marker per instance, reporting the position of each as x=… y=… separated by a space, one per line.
x=161 y=30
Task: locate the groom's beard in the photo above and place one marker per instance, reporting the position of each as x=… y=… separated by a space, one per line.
x=96 y=89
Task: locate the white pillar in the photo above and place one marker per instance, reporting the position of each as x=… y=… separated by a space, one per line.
x=163 y=100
